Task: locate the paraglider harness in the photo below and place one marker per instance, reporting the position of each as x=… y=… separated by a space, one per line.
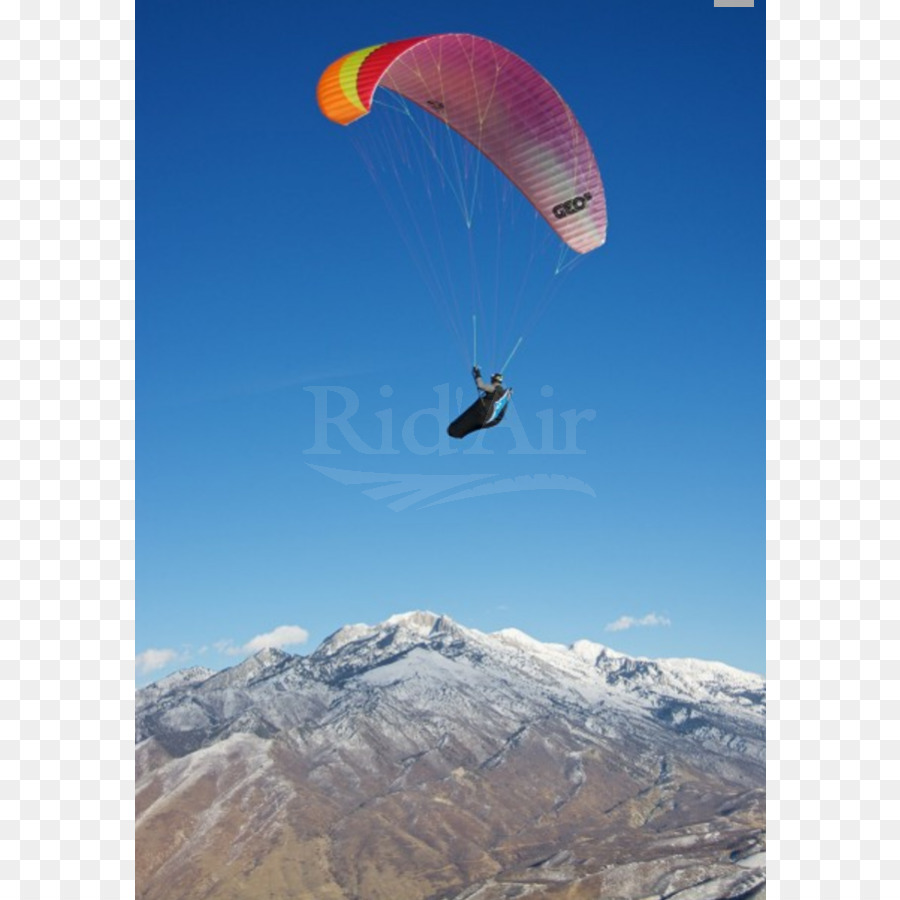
x=490 y=407
x=494 y=403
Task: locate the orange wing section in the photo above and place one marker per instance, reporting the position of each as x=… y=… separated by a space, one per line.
x=337 y=92
x=346 y=86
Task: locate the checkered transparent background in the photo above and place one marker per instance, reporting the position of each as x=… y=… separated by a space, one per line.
x=66 y=450
x=832 y=637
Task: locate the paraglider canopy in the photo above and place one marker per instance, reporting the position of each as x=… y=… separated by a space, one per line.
x=496 y=101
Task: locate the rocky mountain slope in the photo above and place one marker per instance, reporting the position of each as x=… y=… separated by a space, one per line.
x=418 y=759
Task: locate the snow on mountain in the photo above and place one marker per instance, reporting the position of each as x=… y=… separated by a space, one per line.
x=406 y=627
x=482 y=762
x=592 y=652
x=184 y=678
x=246 y=672
x=516 y=675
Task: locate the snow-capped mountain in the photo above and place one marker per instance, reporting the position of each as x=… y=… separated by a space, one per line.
x=417 y=758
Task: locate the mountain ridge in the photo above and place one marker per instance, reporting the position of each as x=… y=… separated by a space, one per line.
x=418 y=758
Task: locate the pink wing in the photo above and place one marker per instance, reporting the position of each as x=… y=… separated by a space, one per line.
x=499 y=103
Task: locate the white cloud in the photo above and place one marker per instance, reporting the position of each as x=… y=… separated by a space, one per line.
x=151 y=660
x=625 y=622
x=282 y=636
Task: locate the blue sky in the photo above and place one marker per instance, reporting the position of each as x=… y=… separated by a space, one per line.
x=274 y=285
